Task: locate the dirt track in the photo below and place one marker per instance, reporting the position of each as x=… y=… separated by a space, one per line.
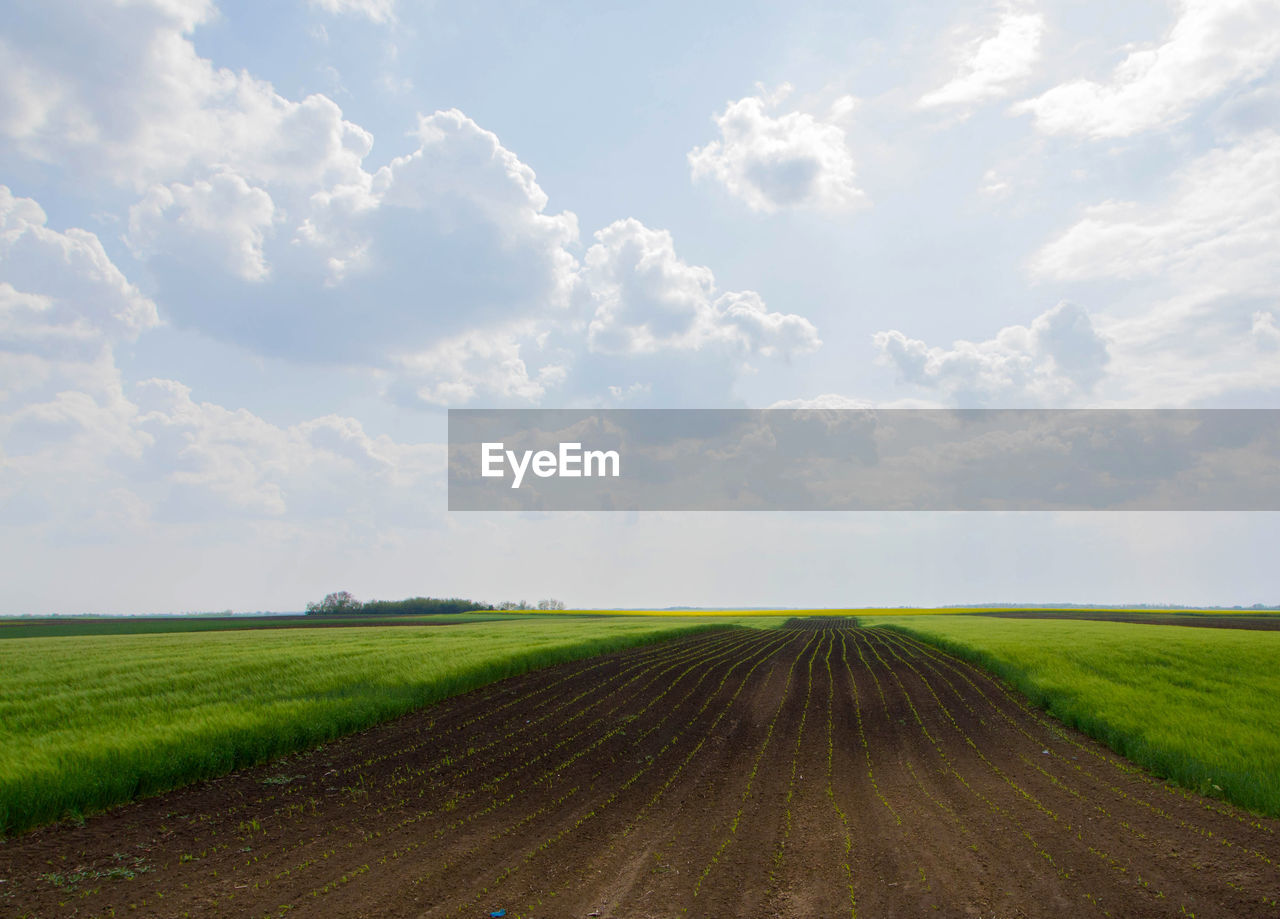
x=821 y=771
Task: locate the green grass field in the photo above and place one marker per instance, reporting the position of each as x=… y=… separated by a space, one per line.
x=153 y=625
x=88 y=721
x=1197 y=706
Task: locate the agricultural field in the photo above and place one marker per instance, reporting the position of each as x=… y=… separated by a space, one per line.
x=150 y=625
x=818 y=769
x=90 y=720
x=1198 y=705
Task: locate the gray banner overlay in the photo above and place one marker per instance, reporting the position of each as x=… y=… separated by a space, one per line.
x=848 y=460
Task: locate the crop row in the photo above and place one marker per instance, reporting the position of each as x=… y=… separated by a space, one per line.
x=558 y=751
x=479 y=772
x=1054 y=823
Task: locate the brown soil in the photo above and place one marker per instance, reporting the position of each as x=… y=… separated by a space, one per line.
x=823 y=771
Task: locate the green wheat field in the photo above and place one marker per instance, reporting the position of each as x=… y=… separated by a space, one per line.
x=94 y=713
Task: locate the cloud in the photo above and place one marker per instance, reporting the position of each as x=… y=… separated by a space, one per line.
x=1218 y=230
x=444 y=273
x=69 y=273
x=647 y=299
x=323 y=468
x=144 y=108
x=77 y=445
x=258 y=221
x=63 y=305
x=178 y=460
x=825 y=402
x=489 y=366
x=1059 y=356
x=448 y=239
x=772 y=163
x=1265 y=332
x=1200 y=262
x=225 y=217
x=990 y=68
x=645 y=327
x=381 y=11
x=1213 y=45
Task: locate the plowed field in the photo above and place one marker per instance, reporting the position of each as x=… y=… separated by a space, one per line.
x=822 y=770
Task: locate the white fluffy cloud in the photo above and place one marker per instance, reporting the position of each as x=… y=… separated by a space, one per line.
x=1056 y=358
x=260 y=223
x=646 y=327
x=63 y=306
x=647 y=299
x=76 y=445
x=493 y=366
x=67 y=277
x=145 y=108
x=258 y=220
x=1213 y=45
x=449 y=239
x=991 y=67
x=789 y=161
x=224 y=217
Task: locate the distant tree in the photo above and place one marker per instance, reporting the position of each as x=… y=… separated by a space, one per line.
x=550 y=604
x=423 y=605
x=514 y=604
x=338 y=602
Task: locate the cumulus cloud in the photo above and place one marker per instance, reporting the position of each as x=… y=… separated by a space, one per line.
x=991 y=67
x=63 y=306
x=258 y=220
x=77 y=444
x=646 y=299
x=67 y=275
x=645 y=327
x=445 y=272
x=224 y=217
x=794 y=160
x=448 y=239
x=145 y=108
x=1059 y=356
x=493 y=366
x=1213 y=45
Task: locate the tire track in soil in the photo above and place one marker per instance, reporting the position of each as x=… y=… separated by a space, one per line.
x=822 y=769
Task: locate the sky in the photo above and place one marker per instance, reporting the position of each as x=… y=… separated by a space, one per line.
x=251 y=253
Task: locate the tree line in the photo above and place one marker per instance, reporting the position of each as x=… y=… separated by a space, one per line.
x=342 y=603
